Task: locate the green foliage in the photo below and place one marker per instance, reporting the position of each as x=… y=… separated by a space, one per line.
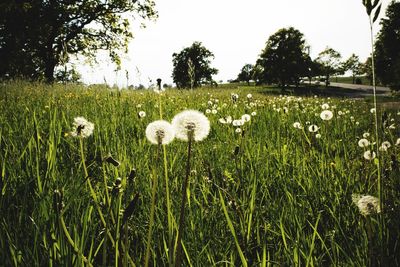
x=329 y=60
x=192 y=66
x=354 y=65
x=285 y=59
x=35 y=34
x=271 y=194
x=387 y=48
x=246 y=74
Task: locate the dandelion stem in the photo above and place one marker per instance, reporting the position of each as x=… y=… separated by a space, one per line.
x=378 y=162
x=152 y=208
x=182 y=213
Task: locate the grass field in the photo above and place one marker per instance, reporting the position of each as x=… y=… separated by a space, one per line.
x=281 y=191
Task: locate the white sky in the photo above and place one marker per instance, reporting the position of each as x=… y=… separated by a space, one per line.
x=236 y=32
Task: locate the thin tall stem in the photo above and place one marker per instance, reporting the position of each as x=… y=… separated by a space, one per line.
x=183 y=202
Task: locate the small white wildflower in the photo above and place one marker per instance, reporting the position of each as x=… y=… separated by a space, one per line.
x=253 y=113
x=160 y=132
x=318 y=136
x=365 y=135
x=372 y=110
x=363 y=142
x=228 y=119
x=238 y=130
x=82 y=127
x=326 y=115
x=249 y=96
x=214 y=111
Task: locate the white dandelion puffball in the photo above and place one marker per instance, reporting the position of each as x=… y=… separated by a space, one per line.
x=160 y=132
x=372 y=110
x=249 y=96
x=82 y=127
x=191 y=121
x=238 y=130
x=397 y=142
x=363 y=142
x=318 y=136
x=366 y=204
x=365 y=135
x=297 y=125
x=253 y=113
x=246 y=117
x=222 y=120
x=368 y=155
x=313 y=128
x=326 y=115
x=325 y=106
x=142 y=114
x=384 y=146
x=237 y=123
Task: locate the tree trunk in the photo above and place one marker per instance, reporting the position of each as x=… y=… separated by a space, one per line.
x=49 y=70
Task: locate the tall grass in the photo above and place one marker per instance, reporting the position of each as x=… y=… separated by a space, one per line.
x=271 y=195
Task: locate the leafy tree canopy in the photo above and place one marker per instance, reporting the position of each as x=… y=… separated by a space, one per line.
x=191 y=66
x=330 y=61
x=285 y=59
x=387 y=48
x=36 y=35
x=246 y=73
x=354 y=65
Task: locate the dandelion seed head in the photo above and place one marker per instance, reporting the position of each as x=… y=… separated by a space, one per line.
x=238 y=130
x=142 y=114
x=191 y=123
x=363 y=142
x=160 y=132
x=246 y=117
x=82 y=127
x=313 y=128
x=368 y=155
x=366 y=204
x=326 y=115
x=365 y=135
x=397 y=142
x=372 y=110
x=249 y=96
x=318 y=136
x=297 y=125
x=325 y=106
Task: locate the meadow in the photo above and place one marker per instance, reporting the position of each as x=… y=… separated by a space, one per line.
x=281 y=188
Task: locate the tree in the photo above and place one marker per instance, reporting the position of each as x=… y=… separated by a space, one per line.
x=192 y=66
x=367 y=69
x=330 y=63
x=354 y=65
x=35 y=33
x=246 y=73
x=387 y=48
x=284 y=58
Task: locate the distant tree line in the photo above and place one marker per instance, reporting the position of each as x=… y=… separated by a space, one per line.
x=37 y=38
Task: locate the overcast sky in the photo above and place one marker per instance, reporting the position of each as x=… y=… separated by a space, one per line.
x=236 y=32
